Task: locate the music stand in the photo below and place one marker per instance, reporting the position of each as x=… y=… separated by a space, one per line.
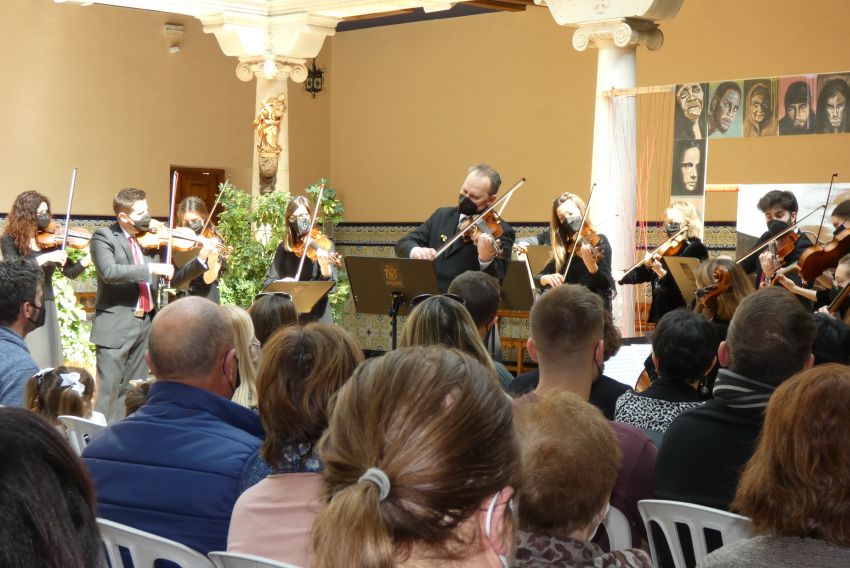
x=386 y=285
x=683 y=269
x=538 y=257
x=305 y=293
x=517 y=291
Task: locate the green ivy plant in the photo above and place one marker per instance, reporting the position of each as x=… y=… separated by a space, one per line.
x=74 y=329
x=254 y=227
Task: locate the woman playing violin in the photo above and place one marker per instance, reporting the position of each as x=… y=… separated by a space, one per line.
x=30 y=214
x=287 y=257
x=665 y=294
x=192 y=213
x=591 y=263
x=822 y=299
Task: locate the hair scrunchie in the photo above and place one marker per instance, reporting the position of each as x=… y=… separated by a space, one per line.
x=380 y=479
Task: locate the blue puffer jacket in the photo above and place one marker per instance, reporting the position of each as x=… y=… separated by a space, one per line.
x=175 y=468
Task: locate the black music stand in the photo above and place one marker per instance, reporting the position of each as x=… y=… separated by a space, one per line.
x=305 y=293
x=386 y=285
x=517 y=289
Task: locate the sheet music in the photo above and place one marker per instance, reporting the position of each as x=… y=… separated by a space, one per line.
x=626 y=366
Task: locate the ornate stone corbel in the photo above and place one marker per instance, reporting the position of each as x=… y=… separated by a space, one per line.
x=277 y=68
x=618 y=33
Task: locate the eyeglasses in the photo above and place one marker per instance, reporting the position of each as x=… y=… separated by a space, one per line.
x=281 y=294
x=422 y=297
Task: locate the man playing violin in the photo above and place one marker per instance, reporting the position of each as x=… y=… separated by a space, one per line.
x=287 y=257
x=477 y=193
x=780 y=212
x=127 y=283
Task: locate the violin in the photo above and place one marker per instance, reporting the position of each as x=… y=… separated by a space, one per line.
x=318 y=240
x=780 y=248
x=488 y=224
x=816 y=259
x=671 y=247
x=721 y=282
x=590 y=237
x=182 y=239
x=53 y=236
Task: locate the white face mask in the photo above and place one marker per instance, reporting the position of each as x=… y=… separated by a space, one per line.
x=488 y=521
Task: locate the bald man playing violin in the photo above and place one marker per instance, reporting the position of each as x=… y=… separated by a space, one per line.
x=477 y=193
x=127 y=283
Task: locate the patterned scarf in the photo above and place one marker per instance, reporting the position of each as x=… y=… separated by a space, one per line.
x=299 y=458
x=735 y=391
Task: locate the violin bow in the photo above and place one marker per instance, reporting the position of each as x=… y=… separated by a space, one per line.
x=310 y=232
x=481 y=215
x=217 y=199
x=170 y=246
x=779 y=235
x=580 y=229
x=68 y=211
x=823 y=218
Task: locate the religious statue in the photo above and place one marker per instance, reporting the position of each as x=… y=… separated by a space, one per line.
x=267 y=124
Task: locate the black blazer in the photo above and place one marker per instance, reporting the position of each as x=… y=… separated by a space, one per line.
x=461 y=256
x=118 y=279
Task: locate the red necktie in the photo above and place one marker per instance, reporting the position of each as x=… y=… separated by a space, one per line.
x=145 y=302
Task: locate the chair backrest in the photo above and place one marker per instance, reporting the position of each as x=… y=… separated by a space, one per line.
x=239 y=560
x=143 y=548
x=618 y=529
x=702 y=524
x=79 y=431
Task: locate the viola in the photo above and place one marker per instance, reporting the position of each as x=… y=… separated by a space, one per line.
x=816 y=259
x=721 y=282
x=488 y=224
x=54 y=235
x=318 y=240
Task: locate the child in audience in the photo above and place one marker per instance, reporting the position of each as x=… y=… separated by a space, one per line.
x=62 y=391
x=136 y=395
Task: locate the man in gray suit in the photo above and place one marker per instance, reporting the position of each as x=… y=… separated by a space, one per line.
x=127 y=285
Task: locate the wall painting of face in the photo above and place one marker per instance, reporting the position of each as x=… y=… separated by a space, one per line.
x=689 y=111
x=760 y=107
x=689 y=159
x=833 y=99
x=724 y=109
x=797 y=105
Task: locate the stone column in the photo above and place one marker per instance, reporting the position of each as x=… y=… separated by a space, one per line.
x=614 y=169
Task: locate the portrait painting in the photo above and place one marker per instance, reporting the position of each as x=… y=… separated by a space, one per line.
x=724 y=109
x=689 y=158
x=760 y=108
x=797 y=104
x=690 y=111
x=832 y=100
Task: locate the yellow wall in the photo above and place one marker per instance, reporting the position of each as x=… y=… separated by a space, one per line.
x=413 y=105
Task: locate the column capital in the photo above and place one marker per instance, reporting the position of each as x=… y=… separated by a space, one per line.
x=624 y=32
x=277 y=68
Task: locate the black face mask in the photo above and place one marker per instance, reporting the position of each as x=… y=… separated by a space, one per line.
x=672 y=228
x=42 y=220
x=838 y=229
x=466 y=206
x=571 y=225
x=39 y=319
x=143 y=224
x=197 y=225
x=775 y=226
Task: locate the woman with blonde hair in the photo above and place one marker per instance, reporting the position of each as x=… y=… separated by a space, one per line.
x=682 y=216
x=421 y=459
x=302 y=370
x=795 y=488
x=591 y=262
x=443 y=320
x=248 y=354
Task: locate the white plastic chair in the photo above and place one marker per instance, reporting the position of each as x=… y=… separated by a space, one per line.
x=77 y=429
x=146 y=548
x=239 y=560
x=618 y=528
x=668 y=514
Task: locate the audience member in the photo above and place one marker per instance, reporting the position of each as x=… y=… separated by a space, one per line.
x=605 y=391
x=567 y=342
x=481 y=298
x=63 y=391
x=247 y=353
x=683 y=353
x=705 y=448
x=795 y=488
x=420 y=460
x=569 y=457
x=21 y=311
x=47 y=506
x=302 y=370
x=832 y=340
x=270 y=312
x=442 y=320
x=176 y=466
x=137 y=395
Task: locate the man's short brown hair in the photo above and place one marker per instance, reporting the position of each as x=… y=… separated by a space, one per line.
x=570 y=459
x=125 y=199
x=565 y=321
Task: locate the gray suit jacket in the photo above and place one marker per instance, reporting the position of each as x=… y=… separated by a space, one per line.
x=118 y=278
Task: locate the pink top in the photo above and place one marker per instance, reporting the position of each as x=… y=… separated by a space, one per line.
x=274 y=518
